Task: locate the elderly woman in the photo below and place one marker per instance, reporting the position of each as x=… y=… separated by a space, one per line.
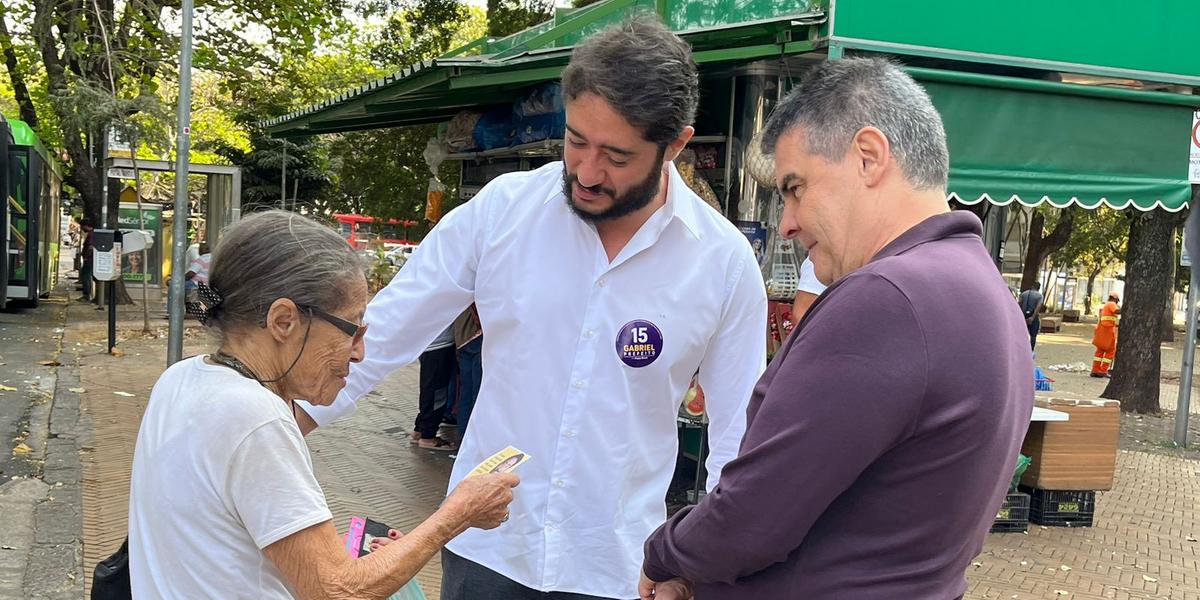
x=223 y=501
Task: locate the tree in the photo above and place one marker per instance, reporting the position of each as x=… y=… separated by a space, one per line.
x=1042 y=245
x=1138 y=364
x=383 y=172
x=1098 y=241
x=506 y=17
x=427 y=30
x=121 y=49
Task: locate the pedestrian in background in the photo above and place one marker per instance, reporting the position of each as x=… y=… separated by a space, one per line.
x=1031 y=301
x=1105 y=336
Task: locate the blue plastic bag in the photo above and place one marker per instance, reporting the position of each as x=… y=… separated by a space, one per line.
x=1041 y=383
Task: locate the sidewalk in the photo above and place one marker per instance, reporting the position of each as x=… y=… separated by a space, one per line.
x=1141 y=546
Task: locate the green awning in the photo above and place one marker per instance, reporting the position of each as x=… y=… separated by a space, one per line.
x=721 y=32
x=1029 y=141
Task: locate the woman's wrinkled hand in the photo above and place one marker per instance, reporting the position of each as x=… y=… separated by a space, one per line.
x=483 y=500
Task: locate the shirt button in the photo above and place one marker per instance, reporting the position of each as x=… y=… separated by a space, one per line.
x=601 y=283
x=579 y=383
x=589 y=334
x=570 y=433
x=560 y=483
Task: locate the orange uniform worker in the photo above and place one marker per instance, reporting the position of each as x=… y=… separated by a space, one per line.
x=1105 y=338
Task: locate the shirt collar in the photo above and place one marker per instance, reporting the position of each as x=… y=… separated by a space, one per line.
x=681 y=204
x=940 y=226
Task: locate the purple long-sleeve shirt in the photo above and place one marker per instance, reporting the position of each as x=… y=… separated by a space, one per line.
x=880 y=441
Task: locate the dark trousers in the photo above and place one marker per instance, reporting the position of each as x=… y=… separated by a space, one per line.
x=470 y=374
x=85 y=277
x=1034 y=327
x=437 y=367
x=466 y=580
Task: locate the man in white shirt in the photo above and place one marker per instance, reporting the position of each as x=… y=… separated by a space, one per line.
x=604 y=284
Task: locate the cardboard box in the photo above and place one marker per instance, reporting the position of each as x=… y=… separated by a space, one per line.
x=1078 y=454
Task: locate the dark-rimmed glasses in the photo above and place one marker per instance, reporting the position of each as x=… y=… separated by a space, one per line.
x=349 y=328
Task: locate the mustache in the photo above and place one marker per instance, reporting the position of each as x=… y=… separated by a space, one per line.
x=572 y=179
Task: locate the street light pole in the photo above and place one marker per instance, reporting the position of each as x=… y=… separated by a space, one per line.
x=183 y=146
x=1189 y=355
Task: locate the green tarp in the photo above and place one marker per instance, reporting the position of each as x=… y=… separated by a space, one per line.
x=1031 y=142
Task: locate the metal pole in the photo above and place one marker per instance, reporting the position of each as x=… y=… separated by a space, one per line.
x=111 y=288
x=182 y=151
x=1189 y=354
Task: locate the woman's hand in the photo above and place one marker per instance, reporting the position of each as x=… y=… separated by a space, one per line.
x=483 y=500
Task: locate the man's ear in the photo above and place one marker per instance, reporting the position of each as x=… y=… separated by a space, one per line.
x=677 y=146
x=873 y=153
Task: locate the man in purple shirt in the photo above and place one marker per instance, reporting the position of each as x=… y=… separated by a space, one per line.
x=881 y=439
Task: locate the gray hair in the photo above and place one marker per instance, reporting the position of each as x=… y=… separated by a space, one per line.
x=277 y=254
x=644 y=71
x=837 y=99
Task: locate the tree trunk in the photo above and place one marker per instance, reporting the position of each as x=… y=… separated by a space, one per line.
x=20 y=90
x=1042 y=245
x=1138 y=364
x=1091 y=286
x=1168 y=315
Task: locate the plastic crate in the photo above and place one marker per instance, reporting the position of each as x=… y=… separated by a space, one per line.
x=1061 y=508
x=1013 y=516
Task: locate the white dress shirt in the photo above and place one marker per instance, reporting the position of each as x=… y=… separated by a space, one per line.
x=596 y=413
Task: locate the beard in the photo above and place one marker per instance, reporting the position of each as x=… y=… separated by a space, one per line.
x=633 y=200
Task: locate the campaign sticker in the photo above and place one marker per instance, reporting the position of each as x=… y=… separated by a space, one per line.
x=639 y=343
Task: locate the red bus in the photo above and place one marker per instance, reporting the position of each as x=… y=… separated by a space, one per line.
x=361 y=230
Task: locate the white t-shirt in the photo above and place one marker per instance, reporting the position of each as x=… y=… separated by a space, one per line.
x=808 y=279
x=220 y=471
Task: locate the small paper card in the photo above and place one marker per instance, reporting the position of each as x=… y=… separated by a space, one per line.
x=504 y=461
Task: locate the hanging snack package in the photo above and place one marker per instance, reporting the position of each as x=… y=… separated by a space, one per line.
x=433 y=200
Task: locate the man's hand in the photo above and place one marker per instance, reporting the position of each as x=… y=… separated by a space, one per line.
x=675 y=589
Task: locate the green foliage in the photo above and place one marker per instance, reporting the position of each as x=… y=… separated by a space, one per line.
x=428 y=30
x=378 y=270
x=253 y=60
x=506 y=17
x=1097 y=241
x=382 y=173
